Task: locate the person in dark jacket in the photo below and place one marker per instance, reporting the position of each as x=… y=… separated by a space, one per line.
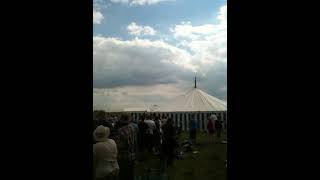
x=218 y=126
x=193 y=129
x=142 y=134
x=169 y=142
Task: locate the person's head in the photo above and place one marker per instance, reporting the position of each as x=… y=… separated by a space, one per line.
x=101 y=133
x=125 y=119
x=142 y=118
x=100 y=115
x=214 y=117
x=169 y=121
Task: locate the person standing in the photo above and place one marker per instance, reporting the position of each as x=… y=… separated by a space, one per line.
x=193 y=129
x=168 y=145
x=218 y=126
x=214 y=119
x=149 y=135
x=163 y=120
x=105 y=164
x=210 y=128
x=127 y=145
x=142 y=135
x=157 y=135
x=133 y=124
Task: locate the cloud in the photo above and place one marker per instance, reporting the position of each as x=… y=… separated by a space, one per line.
x=215 y=80
x=137 y=30
x=140 y=71
x=139 y=2
x=120 y=1
x=138 y=62
x=207 y=43
x=223 y=15
x=185 y=30
x=97 y=16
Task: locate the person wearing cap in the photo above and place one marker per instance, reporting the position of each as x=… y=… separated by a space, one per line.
x=105 y=164
x=127 y=146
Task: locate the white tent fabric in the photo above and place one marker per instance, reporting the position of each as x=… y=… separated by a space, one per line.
x=194 y=101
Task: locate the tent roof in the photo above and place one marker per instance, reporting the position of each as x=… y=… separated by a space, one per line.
x=194 y=100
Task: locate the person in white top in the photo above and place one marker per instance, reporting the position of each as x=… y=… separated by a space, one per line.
x=214 y=118
x=152 y=126
x=105 y=165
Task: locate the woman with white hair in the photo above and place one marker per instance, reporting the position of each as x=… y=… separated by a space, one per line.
x=105 y=165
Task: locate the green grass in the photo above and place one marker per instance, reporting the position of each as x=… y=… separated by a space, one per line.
x=209 y=163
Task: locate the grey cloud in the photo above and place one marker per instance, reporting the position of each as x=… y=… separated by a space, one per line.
x=117 y=65
x=215 y=81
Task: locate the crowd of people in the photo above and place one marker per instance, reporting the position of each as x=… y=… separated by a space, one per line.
x=119 y=142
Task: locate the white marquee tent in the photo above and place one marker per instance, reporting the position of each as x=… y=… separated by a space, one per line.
x=196 y=102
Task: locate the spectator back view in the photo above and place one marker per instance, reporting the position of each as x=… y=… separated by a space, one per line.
x=126 y=141
x=105 y=153
x=193 y=129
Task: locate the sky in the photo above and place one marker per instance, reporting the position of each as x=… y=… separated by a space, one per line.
x=149 y=51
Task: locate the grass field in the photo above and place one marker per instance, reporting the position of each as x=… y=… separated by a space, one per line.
x=209 y=163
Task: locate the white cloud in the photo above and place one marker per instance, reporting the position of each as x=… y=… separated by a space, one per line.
x=187 y=31
x=223 y=15
x=120 y=1
x=151 y=62
x=206 y=48
x=139 y=2
x=143 y=70
x=97 y=16
x=137 y=30
x=207 y=43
